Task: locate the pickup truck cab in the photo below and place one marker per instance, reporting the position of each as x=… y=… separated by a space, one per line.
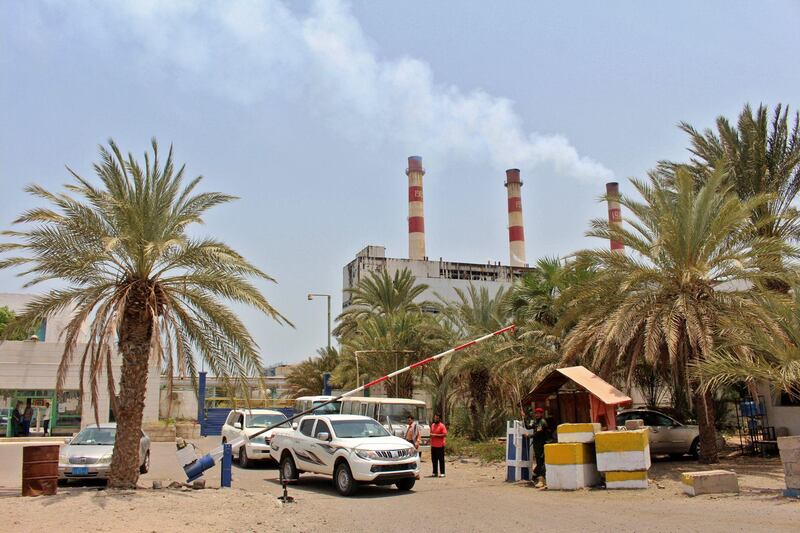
x=246 y=422
x=352 y=449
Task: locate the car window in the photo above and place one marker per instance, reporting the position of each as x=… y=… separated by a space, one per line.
x=306 y=426
x=351 y=429
x=322 y=427
x=661 y=420
x=240 y=420
x=231 y=417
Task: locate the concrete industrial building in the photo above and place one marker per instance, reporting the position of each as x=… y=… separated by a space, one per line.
x=442 y=277
x=28 y=372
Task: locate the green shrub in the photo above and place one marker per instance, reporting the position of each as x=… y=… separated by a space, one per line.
x=488 y=451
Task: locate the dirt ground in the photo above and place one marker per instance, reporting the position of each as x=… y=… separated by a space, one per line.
x=471 y=498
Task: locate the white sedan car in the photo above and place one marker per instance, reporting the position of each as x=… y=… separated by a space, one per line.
x=246 y=422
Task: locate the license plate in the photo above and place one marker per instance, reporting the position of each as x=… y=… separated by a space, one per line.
x=80 y=470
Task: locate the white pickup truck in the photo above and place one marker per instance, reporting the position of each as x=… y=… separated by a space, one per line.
x=352 y=449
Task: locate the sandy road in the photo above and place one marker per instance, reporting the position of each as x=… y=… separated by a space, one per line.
x=471 y=498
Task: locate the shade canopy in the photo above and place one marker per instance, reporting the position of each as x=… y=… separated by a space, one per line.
x=596 y=386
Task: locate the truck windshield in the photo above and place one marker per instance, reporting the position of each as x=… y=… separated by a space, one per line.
x=330 y=409
x=262 y=421
x=355 y=429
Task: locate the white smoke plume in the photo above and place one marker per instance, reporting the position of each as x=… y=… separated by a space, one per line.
x=250 y=50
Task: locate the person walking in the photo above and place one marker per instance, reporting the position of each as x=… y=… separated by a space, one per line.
x=541 y=432
x=27 y=415
x=46 y=418
x=438 y=434
x=16 y=420
x=413 y=434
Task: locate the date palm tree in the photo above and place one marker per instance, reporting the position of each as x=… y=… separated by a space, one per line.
x=305 y=379
x=692 y=260
x=760 y=155
x=130 y=269
x=766 y=350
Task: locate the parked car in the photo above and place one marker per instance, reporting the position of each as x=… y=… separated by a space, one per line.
x=667 y=435
x=245 y=422
x=87 y=455
x=352 y=449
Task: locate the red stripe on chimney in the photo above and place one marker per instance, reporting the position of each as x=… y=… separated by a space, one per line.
x=516 y=233
x=416 y=224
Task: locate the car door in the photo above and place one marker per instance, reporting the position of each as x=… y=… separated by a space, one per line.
x=659 y=432
x=306 y=459
x=678 y=438
x=227 y=427
x=322 y=449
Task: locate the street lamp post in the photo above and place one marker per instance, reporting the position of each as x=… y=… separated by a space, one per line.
x=328 y=296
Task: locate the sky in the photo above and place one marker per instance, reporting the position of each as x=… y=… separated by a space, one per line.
x=308 y=111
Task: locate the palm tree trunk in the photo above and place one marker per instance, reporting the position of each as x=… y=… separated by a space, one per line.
x=704 y=407
x=136 y=331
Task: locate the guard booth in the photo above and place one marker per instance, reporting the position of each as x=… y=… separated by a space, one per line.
x=576 y=395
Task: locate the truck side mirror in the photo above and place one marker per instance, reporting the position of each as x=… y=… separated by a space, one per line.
x=324 y=435
x=237 y=425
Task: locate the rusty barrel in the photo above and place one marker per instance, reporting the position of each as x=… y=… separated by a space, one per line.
x=39 y=470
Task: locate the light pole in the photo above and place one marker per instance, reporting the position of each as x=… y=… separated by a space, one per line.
x=328 y=296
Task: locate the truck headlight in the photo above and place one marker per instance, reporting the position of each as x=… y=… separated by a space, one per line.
x=368 y=455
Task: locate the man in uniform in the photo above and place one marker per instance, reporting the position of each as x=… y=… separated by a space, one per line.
x=538 y=425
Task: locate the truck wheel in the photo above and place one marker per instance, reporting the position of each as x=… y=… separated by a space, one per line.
x=288 y=468
x=244 y=461
x=406 y=484
x=343 y=479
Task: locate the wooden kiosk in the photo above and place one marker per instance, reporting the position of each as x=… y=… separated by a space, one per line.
x=576 y=395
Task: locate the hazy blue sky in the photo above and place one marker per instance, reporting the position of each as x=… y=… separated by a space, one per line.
x=309 y=110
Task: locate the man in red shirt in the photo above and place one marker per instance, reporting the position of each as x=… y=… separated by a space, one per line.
x=438 y=434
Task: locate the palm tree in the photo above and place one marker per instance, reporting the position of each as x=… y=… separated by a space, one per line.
x=305 y=379
x=380 y=294
x=693 y=261
x=132 y=271
x=766 y=350
x=478 y=379
x=760 y=156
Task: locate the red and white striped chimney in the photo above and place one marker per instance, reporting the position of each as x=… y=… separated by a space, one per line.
x=614 y=214
x=416 y=211
x=516 y=232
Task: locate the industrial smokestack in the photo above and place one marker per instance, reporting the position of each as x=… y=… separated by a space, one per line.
x=614 y=214
x=416 y=211
x=516 y=233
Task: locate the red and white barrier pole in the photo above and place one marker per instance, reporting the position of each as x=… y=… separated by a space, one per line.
x=389 y=376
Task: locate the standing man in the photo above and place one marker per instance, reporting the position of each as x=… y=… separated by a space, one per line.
x=413 y=434
x=538 y=439
x=46 y=418
x=438 y=434
x=16 y=420
x=26 y=419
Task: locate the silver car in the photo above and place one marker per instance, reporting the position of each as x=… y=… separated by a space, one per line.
x=87 y=455
x=667 y=435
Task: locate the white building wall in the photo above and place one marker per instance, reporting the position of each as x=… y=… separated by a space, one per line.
x=780 y=416
x=33 y=365
x=55 y=323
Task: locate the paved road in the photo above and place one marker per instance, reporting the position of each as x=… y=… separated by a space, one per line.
x=471 y=498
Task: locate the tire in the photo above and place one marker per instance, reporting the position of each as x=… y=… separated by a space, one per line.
x=406 y=484
x=288 y=468
x=694 y=450
x=145 y=466
x=343 y=479
x=244 y=461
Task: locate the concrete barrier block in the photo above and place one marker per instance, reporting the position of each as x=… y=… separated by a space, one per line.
x=583 y=433
x=789 y=449
x=710 y=482
x=623 y=451
x=570 y=466
x=626 y=480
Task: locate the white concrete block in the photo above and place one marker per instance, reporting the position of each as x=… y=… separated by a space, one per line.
x=709 y=482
